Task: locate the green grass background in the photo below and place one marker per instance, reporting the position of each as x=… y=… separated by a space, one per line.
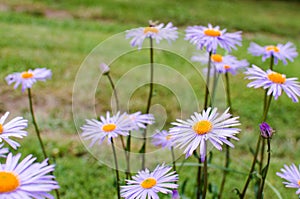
x=60 y=34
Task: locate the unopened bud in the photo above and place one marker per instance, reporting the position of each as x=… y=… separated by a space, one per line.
x=265 y=130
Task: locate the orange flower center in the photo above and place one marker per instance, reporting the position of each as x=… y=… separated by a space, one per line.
x=277 y=78
x=108 y=127
x=217 y=58
x=212 y=32
x=168 y=137
x=227 y=67
x=202 y=127
x=1 y=129
x=299 y=182
x=8 y=182
x=26 y=75
x=150 y=29
x=148 y=183
x=272 y=48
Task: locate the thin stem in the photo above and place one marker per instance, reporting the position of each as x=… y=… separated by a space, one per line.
x=199 y=175
x=262 y=154
x=39 y=134
x=264 y=174
x=128 y=148
x=257 y=149
x=207 y=81
x=214 y=86
x=149 y=101
x=205 y=181
x=114 y=90
x=117 y=169
x=227 y=155
x=36 y=125
x=173 y=159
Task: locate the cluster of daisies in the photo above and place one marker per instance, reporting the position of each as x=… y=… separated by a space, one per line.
x=23 y=178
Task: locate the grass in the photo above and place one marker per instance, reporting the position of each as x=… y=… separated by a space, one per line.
x=60 y=35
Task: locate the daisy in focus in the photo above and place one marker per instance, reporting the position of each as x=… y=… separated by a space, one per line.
x=292 y=175
x=109 y=126
x=3 y=151
x=26 y=179
x=202 y=127
x=223 y=64
x=28 y=78
x=211 y=37
x=147 y=184
x=14 y=128
x=274 y=82
x=281 y=52
x=156 y=32
x=140 y=121
x=162 y=139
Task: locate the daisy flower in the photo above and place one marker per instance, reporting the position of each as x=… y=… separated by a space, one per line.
x=28 y=78
x=162 y=139
x=292 y=175
x=274 y=82
x=3 y=151
x=26 y=179
x=147 y=184
x=156 y=32
x=140 y=121
x=211 y=37
x=14 y=128
x=109 y=126
x=281 y=52
x=208 y=125
x=223 y=64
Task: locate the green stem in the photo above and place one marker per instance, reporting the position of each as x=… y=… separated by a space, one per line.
x=207 y=81
x=173 y=159
x=117 y=169
x=39 y=134
x=264 y=174
x=199 y=184
x=114 y=90
x=148 y=102
x=128 y=148
x=205 y=181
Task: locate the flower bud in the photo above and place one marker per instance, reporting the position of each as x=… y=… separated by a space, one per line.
x=104 y=68
x=265 y=130
x=175 y=194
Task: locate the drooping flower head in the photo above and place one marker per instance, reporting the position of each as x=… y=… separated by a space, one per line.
x=109 y=126
x=211 y=37
x=292 y=175
x=26 y=179
x=140 y=121
x=273 y=81
x=147 y=184
x=223 y=64
x=202 y=127
x=265 y=130
x=281 y=52
x=162 y=139
x=3 y=151
x=14 y=128
x=156 y=32
x=104 y=68
x=28 y=78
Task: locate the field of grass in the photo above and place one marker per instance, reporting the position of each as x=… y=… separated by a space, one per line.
x=60 y=35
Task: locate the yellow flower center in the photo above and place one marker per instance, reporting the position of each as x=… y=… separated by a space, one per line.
x=276 y=78
x=26 y=75
x=217 y=58
x=227 y=67
x=8 y=182
x=272 y=48
x=109 y=127
x=202 y=127
x=148 y=183
x=212 y=32
x=299 y=182
x=150 y=29
x=168 y=137
x=1 y=129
